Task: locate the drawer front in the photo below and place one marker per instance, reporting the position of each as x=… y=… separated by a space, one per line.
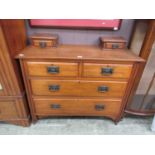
x=44 y=43
x=78 y=88
x=77 y=107
x=8 y=110
x=52 y=69
x=107 y=70
x=114 y=45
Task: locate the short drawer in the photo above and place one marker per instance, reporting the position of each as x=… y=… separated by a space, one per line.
x=114 y=45
x=8 y=110
x=107 y=70
x=78 y=88
x=52 y=69
x=77 y=107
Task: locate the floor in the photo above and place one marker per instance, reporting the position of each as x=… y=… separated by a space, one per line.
x=82 y=126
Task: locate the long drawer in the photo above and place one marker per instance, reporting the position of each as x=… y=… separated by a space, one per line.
x=8 y=110
x=107 y=70
x=78 y=88
x=52 y=69
x=77 y=107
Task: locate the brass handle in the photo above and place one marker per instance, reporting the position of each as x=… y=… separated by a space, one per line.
x=54 y=87
x=55 y=106
x=115 y=46
x=99 y=107
x=42 y=44
x=53 y=69
x=107 y=71
x=103 y=89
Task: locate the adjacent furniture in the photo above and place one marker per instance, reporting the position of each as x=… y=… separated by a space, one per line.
x=144 y=53
x=13 y=104
x=78 y=80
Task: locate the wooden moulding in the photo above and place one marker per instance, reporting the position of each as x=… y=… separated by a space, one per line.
x=44 y=40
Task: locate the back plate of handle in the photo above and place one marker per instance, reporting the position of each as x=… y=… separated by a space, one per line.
x=115 y=46
x=99 y=107
x=53 y=87
x=42 y=44
x=53 y=69
x=103 y=89
x=107 y=71
x=55 y=106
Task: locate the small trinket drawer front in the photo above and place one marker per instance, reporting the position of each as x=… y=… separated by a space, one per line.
x=113 y=42
x=78 y=80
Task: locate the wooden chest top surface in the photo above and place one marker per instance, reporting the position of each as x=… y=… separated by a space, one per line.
x=75 y=52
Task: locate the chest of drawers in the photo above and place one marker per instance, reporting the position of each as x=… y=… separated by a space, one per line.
x=73 y=80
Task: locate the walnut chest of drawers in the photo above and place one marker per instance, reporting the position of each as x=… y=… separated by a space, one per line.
x=73 y=80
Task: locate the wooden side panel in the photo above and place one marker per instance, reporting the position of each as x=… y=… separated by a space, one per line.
x=13 y=105
x=8 y=110
x=12 y=110
x=3 y=84
x=15 y=34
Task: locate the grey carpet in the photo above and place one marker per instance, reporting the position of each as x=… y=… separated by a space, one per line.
x=82 y=126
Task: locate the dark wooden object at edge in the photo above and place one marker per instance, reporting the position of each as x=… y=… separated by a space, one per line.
x=13 y=105
x=144 y=53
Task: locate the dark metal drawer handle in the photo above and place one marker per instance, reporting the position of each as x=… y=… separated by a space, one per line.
x=42 y=44
x=54 y=87
x=53 y=69
x=103 y=89
x=114 y=46
x=55 y=106
x=99 y=107
x=107 y=71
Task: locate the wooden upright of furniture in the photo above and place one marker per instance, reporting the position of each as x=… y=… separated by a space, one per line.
x=13 y=105
x=144 y=54
x=73 y=80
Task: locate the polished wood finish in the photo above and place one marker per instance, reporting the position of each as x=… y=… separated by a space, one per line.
x=8 y=110
x=48 y=40
x=113 y=39
x=13 y=106
x=3 y=84
x=78 y=88
x=113 y=42
x=77 y=107
x=41 y=69
x=82 y=52
x=114 y=45
x=118 y=70
x=78 y=95
x=15 y=34
x=144 y=53
x=148 y=41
